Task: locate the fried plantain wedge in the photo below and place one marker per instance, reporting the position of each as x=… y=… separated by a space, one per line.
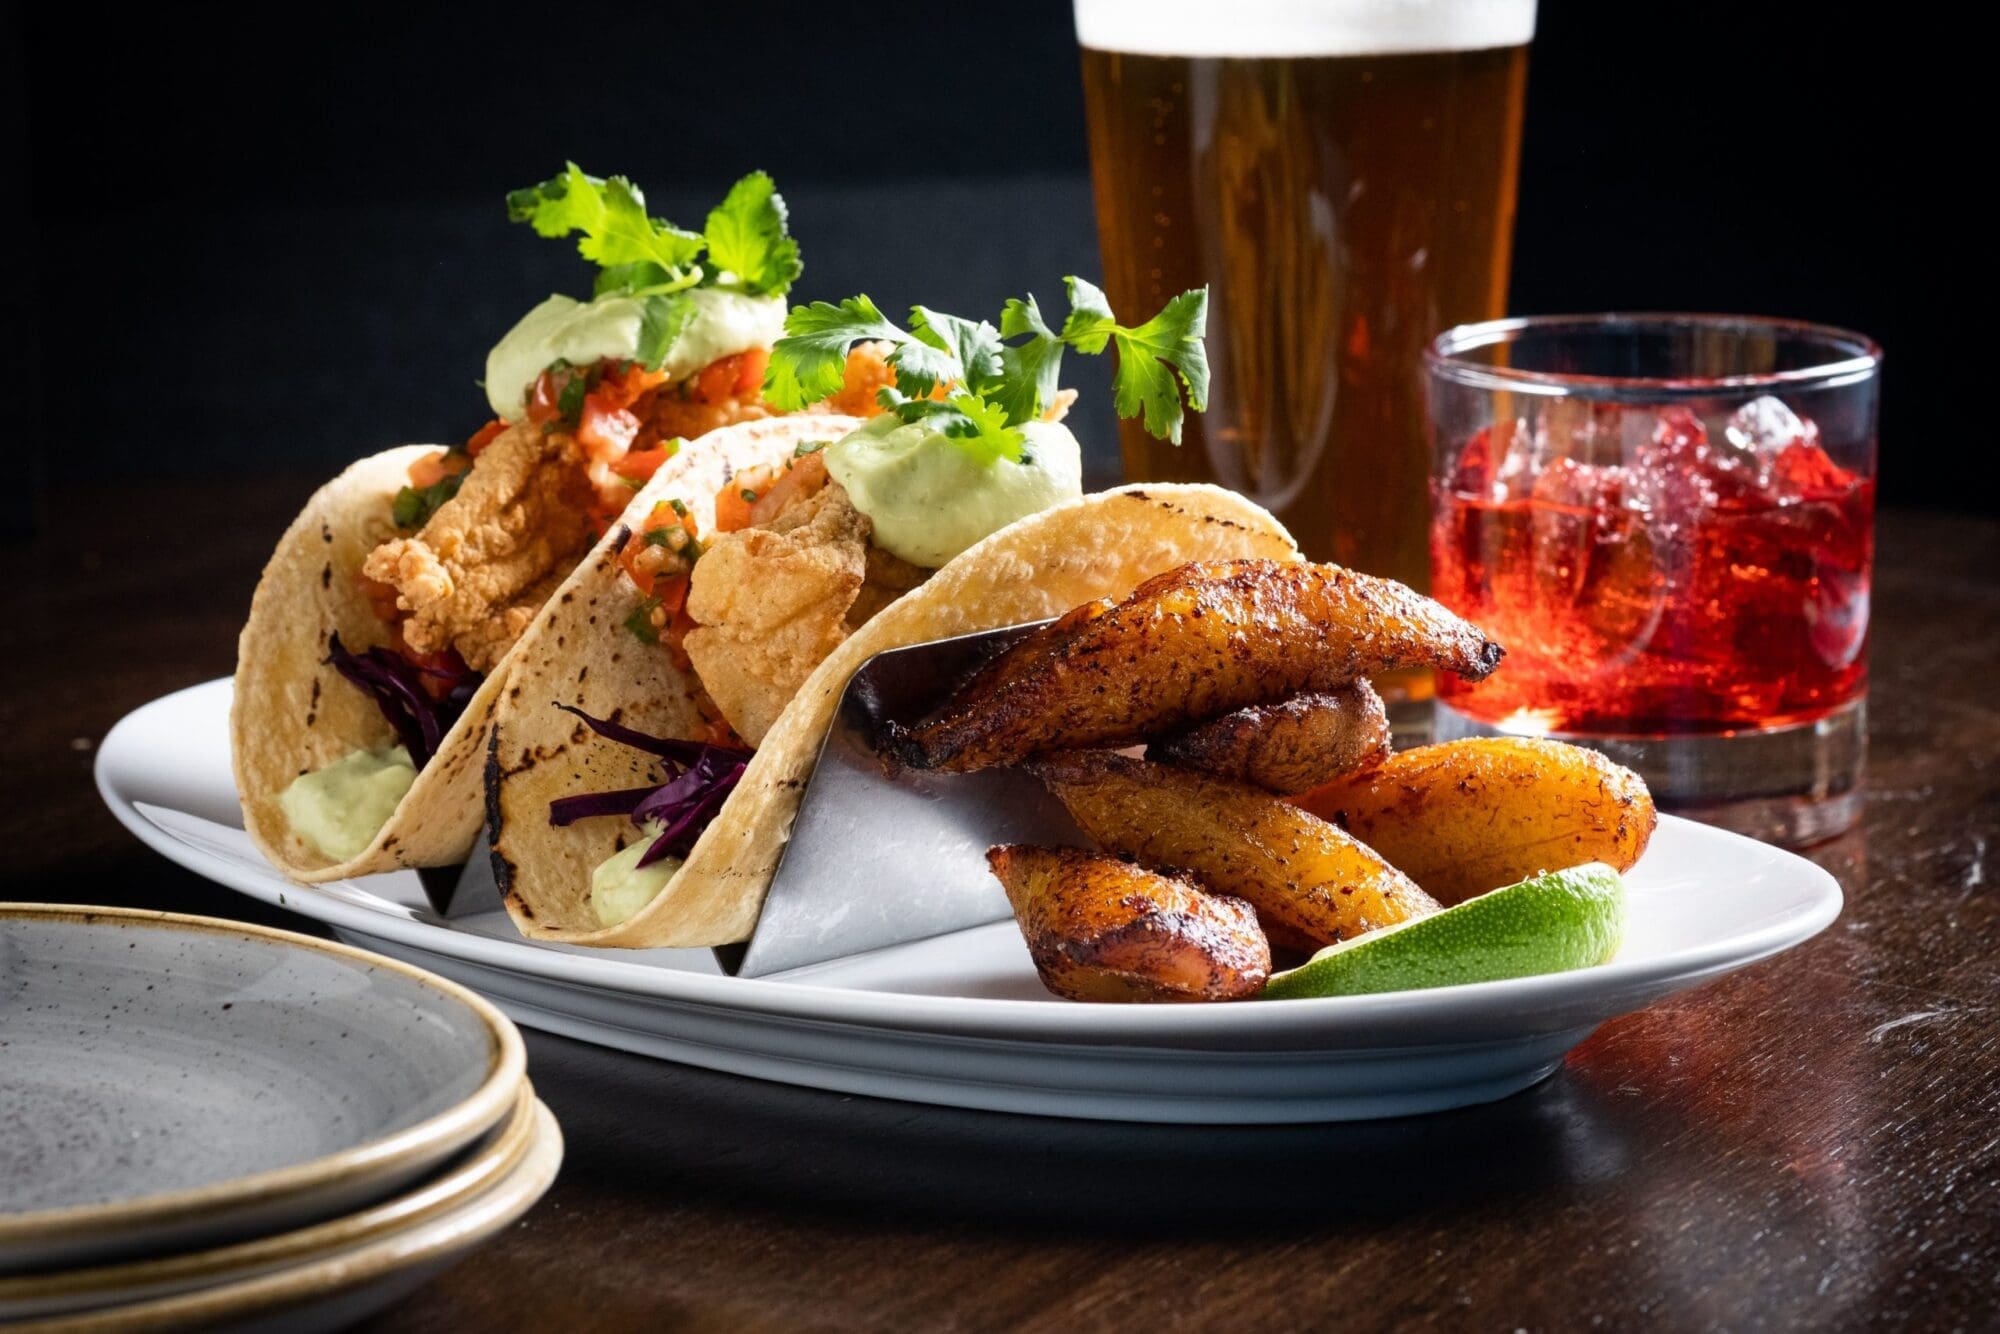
x=1189 y=645
x=1310 y=883
x=1290 y=747
x=1100 y=929
x=1464 y=817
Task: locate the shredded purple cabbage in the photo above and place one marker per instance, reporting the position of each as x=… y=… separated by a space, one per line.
x=701 y=776
x=397 y=686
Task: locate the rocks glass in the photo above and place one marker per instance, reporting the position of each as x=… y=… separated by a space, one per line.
x=1668 y=520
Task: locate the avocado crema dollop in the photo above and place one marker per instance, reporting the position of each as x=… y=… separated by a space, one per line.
x=339 y=809
x=563 y=329
x=619 y=887
x=930 y=500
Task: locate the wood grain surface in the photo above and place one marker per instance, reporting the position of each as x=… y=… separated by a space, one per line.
x=1811 y=1144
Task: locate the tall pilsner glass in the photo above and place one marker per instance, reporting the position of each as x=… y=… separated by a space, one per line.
x=1341 y=174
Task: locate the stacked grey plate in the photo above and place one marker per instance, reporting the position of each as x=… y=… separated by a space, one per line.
x=206 y=1123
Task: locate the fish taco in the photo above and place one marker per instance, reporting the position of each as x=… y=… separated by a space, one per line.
x=380 y=633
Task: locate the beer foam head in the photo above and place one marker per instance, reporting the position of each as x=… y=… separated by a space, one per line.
x=1302 y=27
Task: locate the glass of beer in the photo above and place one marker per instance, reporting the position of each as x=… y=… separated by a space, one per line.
x=1341 y=174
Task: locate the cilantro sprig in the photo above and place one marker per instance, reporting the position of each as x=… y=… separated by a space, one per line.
x=414 y=505
x=997 y=379
x=744 y=246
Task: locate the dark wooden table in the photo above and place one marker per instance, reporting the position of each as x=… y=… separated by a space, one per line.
x=1811 y=1144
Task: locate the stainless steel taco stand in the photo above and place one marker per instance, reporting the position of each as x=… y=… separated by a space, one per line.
x=874 y=862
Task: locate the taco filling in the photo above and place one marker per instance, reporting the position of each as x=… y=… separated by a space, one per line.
x=805 y=551
x=589 y=399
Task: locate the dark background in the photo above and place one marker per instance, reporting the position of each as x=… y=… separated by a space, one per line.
x=270 y=244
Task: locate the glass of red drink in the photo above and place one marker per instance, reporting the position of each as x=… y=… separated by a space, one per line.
x=1668 y=520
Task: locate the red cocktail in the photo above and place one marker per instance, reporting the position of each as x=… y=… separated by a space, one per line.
x=1667 y=558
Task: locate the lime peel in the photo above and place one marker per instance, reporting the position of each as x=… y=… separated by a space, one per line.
x=1550 y=923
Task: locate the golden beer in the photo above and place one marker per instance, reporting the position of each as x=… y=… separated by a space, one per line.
x=1342 y=177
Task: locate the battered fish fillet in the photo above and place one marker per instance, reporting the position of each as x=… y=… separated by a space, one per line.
x=473 y=577
x=1187 y=646
x=1101 y=929
x=772 y=603
x=1290 y=747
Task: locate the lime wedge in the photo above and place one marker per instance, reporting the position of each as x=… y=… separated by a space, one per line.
x=1555 y=922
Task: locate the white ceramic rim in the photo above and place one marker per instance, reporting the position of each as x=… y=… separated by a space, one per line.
x=434 y=1137
x=1008 y=1020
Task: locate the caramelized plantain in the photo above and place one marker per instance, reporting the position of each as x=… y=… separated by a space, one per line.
x=1100 y=929
x=1311 y=884
x=1463 y=817
x=1189 y=645
x=1290 y=747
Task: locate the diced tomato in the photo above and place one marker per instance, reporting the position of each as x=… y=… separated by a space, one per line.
x=760 y=494
x=732 y=376
x=622 y=386
x=484 y=436
x=433 y=468
x=639 y=465
x=428 y=470
x=642 y=559
x=605 y=432
x=737 y=500
x=543 y=399
x=802 y=478
x=750 y=370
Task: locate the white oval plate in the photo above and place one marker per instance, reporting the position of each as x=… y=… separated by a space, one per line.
x=168 y=1082
x=961 y=1020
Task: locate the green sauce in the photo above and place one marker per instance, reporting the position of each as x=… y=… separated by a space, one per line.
x=620 y=887
x=581 y=333
x=930 y=501
x=340 y=809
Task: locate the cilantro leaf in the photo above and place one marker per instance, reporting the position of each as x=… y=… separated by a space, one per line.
x=981 y=429
x=1030 y=372
x=746 y=236
x=974 y=346
x=970 y=422
x=662 y=320
x=810 y=361
x=1090 y=319
x=1148 y=356
x=612 y=216
x=414 y=505
x=620 y=278
x=997 y=385
x=640 y=622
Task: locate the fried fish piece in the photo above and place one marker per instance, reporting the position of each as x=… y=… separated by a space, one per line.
x=1290 y=747
x=772 y=603
x=1100 y=929
x=474 y=575
x=1189 y=645
x=1312 y=884
x=1463 y=817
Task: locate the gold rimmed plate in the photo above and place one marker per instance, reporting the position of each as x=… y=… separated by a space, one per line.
x=333 y=1289
x=478 y=1169
x=172 y=1083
